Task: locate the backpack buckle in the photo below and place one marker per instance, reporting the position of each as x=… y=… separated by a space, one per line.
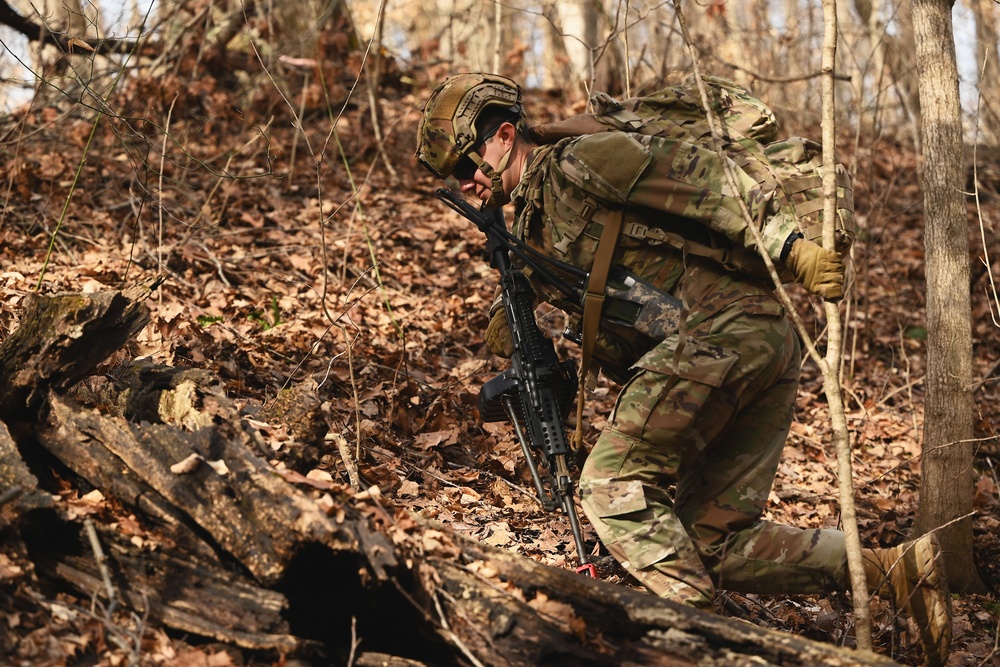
x=726 y=259
x=635 y=230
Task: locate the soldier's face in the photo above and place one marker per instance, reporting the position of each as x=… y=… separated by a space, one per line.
x=492 y=151
x=477 y=183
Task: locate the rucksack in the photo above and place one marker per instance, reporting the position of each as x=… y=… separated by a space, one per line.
x=791 y=167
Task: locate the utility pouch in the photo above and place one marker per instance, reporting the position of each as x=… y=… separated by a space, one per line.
x=634 y=303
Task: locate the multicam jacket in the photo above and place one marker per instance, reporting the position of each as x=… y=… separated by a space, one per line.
x=571 y=187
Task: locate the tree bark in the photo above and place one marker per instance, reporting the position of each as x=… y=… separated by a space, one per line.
x=18 y=486
x=518 y=612
x=946 y=486
x=61 y=340
x=194 y=597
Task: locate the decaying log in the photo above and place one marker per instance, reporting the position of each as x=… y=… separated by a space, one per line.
x=384 y=660
x=18 y=486
x=210 y=475
x=61 y=339
x=204 y=600
x=510 y=610
x=254 y=560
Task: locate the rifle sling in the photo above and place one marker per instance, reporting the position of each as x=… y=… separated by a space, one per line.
x=593 y=303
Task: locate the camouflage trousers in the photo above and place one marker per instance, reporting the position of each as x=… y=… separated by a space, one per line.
x=677 y=482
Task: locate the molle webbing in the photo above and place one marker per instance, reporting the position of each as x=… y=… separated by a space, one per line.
x=733 y=258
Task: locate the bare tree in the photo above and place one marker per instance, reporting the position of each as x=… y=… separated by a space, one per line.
x=578 y=23
x=946 y=487
x=987 y=42
x=892 y=52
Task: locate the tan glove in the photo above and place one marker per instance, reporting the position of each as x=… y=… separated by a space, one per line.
x=820 y=270
x=498 y=336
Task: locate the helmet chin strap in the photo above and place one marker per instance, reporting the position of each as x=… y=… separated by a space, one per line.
x=497 y=196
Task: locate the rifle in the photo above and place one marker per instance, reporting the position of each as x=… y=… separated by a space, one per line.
x=536 y=393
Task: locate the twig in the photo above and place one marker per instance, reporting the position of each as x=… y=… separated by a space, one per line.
x=69 y=197
x=451 y=635
x=159 y=194
x=215 y=260
x=299 y=131
x=908 y=387
x=373 y=84
x=908 y=384
x=996 y=649
x=994 y=314
x=12 y=171
x=102 y=566
x=345 y=455
x=994 y=371
x=41 y=34
x=354 y=387
x=355 y=642
x=775 y=79
x=518 y=487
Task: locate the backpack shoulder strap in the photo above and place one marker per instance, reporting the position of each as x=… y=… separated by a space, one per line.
x=593 y=305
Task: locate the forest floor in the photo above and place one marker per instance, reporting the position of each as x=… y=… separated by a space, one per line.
x=282 y=274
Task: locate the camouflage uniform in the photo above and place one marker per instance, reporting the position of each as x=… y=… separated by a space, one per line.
x=676 y=484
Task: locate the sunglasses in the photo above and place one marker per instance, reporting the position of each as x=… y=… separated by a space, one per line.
x=465 y=170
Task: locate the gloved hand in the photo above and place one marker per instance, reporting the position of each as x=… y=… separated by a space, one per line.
x=498 y=336
x=820 y=270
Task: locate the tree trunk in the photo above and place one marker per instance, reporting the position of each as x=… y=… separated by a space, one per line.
x=893 y=58
x=555 y=65
x=578 y=21
x=987 y=70
x=946 y=487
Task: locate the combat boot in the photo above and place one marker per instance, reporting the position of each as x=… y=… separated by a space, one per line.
x=911 y=575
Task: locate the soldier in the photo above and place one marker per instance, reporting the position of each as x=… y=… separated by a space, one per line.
x=677 y=482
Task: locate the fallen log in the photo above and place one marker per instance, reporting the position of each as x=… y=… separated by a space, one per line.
x=18 y=486
x=208 y=476
x=509 y=610
x=190 y=597
x=252 y=557
x=61 y=339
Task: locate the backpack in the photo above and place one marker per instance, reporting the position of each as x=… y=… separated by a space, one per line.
x=791 y=168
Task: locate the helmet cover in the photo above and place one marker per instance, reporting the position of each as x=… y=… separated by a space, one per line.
x=447 y=129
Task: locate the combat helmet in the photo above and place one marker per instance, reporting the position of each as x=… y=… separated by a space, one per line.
x=448 y=130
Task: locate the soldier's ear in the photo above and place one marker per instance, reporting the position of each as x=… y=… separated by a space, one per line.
x=507 y=132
